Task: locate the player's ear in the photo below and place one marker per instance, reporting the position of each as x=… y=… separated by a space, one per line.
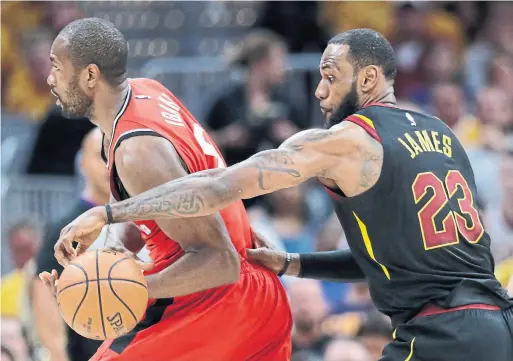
x=93 y=75
x=369 y=77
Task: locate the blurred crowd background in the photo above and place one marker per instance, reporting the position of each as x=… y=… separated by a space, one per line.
x=247 y=71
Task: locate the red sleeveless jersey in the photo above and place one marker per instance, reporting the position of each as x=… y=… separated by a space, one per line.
x=151 y=109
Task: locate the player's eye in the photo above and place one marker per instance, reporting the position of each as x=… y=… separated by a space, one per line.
x=55 y=67
x=331 y=79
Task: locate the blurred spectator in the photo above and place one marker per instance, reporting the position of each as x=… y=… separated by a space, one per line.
x=495 y=114
x=287 y=220
x=472 y=15
x=17 y=18
x=59 y=14
x=496 y=36
x=24 y=238
x=409 y=44
x=448 y=104
x=308 y=309
x=375 y=333
x=501 y=74
x=339 y=16
x=500 y=219
x=43 y=305
x=253 y=116
x=26 y=90
x=57 y=143
x=439 y=63
x=442 y=25
x=504 y=273
x=346 y=315
x=346 y=350
x=330 y=238
x=297 y=22
x=13 y=347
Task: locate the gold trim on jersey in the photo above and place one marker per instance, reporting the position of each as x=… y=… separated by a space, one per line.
x=368 y=244
x=411 y=350
x=366 y=120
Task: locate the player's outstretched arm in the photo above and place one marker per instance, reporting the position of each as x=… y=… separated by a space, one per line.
x=343 y=153
x=307 y=154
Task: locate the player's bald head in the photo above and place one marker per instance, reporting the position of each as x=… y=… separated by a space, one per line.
x=96 y=41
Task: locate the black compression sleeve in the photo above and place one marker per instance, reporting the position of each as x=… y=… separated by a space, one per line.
x=337 y=266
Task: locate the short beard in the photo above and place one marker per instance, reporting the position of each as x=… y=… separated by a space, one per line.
x=348 y=106
x=79 y=105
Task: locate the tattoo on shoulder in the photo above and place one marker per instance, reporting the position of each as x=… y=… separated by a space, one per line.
x=372 y=157
x=317 y=134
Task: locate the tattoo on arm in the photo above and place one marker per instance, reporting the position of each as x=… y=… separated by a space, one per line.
x=371 y=168
x=206 y=192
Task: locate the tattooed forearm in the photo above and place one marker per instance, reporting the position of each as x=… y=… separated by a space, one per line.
x=164 y=204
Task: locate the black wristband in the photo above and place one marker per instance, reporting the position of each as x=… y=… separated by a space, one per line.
x=108 y=210
x=331 y=265
x=286 y=265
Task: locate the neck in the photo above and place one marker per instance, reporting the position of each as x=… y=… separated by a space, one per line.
x=95 y=196
x=107 y=105
x=386 y=97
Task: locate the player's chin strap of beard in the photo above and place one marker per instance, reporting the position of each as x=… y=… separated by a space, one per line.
x=286 y=265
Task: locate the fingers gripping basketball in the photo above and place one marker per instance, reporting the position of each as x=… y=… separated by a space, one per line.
x=102 y=294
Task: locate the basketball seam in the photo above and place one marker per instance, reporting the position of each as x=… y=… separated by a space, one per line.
x=100 y=279
x=99 y=292
x=114 y=292
x=83 y=297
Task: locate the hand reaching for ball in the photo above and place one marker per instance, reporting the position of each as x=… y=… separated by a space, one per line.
x=84 y=230
x=50 y=280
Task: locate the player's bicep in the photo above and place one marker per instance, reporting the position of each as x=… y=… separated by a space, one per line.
x=146 y=162
x=306 y=155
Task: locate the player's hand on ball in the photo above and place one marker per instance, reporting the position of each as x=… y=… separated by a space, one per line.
x=50 y=280
x=84 y=230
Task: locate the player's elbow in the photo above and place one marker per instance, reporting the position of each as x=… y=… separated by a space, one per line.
x=228 y=264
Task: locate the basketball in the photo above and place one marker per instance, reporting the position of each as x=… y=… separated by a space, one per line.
x=102 y=294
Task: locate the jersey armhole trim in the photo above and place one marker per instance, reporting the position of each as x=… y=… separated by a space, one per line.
x=365 y=123
x=104 y=156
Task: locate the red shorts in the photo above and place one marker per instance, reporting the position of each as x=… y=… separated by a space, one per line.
x=250 y=320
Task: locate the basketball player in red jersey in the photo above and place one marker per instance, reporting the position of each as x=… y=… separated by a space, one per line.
x=207 y=302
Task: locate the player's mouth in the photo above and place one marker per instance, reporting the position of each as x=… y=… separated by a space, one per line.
x=58 y=101
x=325 y=112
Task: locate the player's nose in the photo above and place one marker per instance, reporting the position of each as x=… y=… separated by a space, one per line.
x=321 y=91
x=50 y=80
